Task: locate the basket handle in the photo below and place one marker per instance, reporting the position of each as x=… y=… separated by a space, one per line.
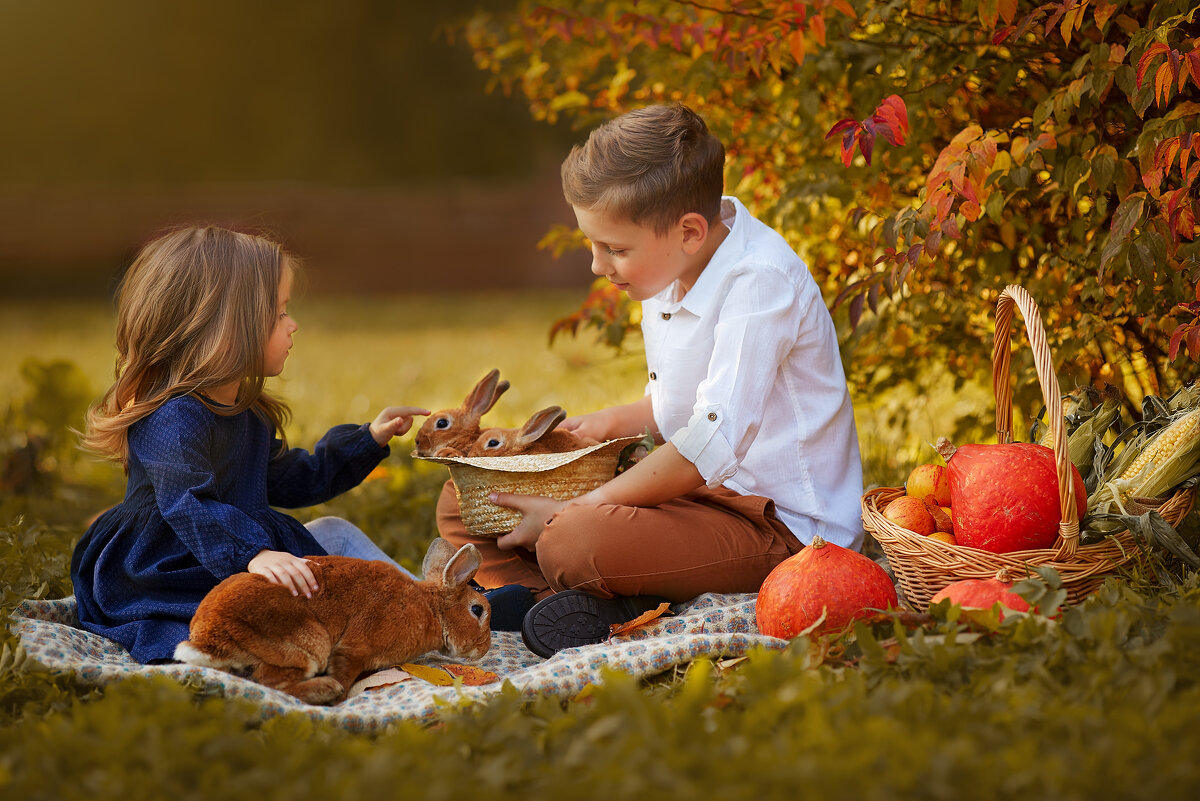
x=1068 y=527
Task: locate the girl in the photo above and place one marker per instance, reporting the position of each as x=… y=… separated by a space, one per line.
x=202 y=322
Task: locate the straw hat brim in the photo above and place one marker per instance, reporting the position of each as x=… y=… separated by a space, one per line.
x=530 y=462
x=557 y=475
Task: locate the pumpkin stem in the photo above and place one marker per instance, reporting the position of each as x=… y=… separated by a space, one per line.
x=945 y=448
x=817 y=542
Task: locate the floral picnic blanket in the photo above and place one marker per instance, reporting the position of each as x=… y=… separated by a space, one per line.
x=710 y=626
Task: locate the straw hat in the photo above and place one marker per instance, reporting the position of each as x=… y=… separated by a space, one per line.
x=556 y=475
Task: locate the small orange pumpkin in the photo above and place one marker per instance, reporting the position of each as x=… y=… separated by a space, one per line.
x=823 y=579
x=982 y=594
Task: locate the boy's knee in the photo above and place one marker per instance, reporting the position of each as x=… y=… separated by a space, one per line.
x=567 y=551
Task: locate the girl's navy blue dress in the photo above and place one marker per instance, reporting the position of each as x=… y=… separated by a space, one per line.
x=197 y=509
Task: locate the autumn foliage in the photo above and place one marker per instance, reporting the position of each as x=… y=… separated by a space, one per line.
x=921 y=155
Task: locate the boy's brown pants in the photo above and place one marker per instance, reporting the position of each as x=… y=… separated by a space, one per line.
x=710 y=540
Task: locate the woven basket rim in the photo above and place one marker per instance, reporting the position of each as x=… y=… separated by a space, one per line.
x=527 y=463
x=1117 y=542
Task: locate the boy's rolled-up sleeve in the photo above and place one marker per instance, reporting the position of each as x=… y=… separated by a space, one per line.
x=700 y=443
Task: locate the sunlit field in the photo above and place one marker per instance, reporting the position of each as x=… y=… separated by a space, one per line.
x=353 y=356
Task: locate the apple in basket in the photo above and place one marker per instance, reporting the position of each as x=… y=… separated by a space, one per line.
x=911 y=513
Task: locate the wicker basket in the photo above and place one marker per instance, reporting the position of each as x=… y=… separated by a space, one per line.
x=924 y=565
x=555 y=475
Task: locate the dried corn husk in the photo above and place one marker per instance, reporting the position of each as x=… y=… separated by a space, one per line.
x=1091 y=414
x=1077 y=405
x=1154 y=461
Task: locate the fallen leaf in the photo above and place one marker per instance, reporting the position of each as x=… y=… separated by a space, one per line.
x=639 y=621
x=816 y=624
x=471 y=675
x=730 y=663
x=433 y=675
x=380 y=678
x=585 y=694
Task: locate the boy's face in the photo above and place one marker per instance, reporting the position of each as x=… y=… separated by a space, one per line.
x=635 y=258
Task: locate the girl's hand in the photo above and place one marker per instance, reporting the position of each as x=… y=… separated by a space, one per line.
x=280 y=567
x=394 y=421
x=536 y=511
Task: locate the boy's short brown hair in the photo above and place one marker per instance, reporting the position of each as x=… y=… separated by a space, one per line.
x=651 y=165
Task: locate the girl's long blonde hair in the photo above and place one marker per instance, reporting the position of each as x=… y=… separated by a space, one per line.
x=194 y=312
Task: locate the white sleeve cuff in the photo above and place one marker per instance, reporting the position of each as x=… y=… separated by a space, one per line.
x=700 y=443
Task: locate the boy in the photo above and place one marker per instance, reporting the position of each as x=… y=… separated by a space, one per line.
x=746 y=392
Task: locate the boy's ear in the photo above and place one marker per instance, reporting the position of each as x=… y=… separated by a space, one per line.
x=694 y=228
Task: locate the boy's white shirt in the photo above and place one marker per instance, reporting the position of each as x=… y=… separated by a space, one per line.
x=746 y=380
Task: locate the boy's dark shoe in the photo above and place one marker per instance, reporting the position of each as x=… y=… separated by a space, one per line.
x=572 y=617
x=510 y=604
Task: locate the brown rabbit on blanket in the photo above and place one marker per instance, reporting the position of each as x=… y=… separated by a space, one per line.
x=539 y=434
x=450 y=432
x=364 y=615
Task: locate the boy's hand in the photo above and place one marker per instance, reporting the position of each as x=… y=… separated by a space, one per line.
x=394 y=421
x=280 y=567
x=629 y=420
x=595 y=425
x=536 y=511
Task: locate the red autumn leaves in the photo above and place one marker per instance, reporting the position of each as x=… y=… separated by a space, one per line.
x=890 y=121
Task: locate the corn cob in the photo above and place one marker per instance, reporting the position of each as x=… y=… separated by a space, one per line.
x=1150 y=466
x=1147 y=475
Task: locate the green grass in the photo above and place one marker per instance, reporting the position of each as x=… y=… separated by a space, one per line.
x=1102 y=703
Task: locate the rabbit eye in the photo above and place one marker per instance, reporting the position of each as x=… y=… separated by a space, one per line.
x=477 y=610
x=493 y=443
x=442 y=422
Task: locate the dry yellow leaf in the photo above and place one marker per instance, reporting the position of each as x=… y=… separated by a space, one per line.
x=471 y=675
x=433 y=675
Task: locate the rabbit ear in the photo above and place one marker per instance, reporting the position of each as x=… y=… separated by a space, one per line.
x=436 y=557
x=540 y=424
x=462 y=566
x=485 y=394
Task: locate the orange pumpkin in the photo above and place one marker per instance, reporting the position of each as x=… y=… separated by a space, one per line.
x=982 y=594
x=823 y=579
x=1005 y=497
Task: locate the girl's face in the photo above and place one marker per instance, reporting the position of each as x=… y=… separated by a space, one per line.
x=281 y=336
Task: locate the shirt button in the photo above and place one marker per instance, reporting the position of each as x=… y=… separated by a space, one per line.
x=666 y=315
x=712 y=416
x=653 y=376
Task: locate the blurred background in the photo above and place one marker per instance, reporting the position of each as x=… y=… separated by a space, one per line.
x=355 y=130
x=361 y=134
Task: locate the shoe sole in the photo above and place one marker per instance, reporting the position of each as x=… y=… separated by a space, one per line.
x=572 y=618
